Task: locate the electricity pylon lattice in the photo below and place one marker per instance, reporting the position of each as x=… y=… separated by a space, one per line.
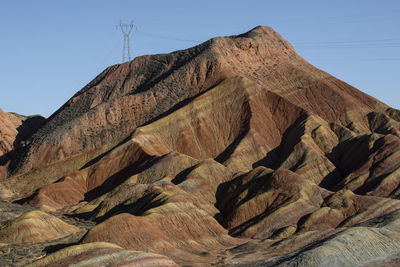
x=126 y=31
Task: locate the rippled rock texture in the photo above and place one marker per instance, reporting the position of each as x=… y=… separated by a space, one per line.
x=233 y=152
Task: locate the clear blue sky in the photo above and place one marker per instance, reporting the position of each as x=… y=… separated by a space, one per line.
x=51 y=49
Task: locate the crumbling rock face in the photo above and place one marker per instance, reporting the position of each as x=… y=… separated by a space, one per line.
x=236 y=151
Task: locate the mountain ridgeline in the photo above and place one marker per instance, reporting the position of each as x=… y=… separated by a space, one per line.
x=234 y=152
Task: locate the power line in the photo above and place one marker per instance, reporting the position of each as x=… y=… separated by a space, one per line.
x=348 y=42
x=355 y=59
x=385 y=43
x=377 y=43
x=126 y=31
x=381 y=46
x=354 y=18
x=170 y=38
x=353 y=44
x=364 y=16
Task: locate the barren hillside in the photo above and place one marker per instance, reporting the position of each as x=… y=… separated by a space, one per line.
x=233 y=152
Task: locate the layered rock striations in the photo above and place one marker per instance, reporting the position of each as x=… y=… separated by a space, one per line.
x=126 y=96
x=236 y=151
x=34 y=226
x=102 y=254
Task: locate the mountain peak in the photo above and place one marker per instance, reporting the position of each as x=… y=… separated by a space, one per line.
x=128 y=95
x=214 y=155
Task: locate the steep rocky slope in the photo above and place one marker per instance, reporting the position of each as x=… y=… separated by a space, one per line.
x=15 y=131
x=126 y=96
x=9 y=123
x=236 y=151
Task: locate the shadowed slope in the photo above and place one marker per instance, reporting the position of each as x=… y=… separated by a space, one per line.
x=237 y=109
x=231 y=149
x=373 y=243
x=15 y=130
x=102 y=254
x=128 y=95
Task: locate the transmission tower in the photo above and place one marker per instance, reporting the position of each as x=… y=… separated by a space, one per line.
x=126 y=31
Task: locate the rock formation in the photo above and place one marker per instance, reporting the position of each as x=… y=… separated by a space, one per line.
x=236 y=151
x=102 y=254
x=9 y=123
x=15 y=131
x=34 y=226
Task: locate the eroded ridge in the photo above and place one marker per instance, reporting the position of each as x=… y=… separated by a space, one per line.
x=236 y=151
